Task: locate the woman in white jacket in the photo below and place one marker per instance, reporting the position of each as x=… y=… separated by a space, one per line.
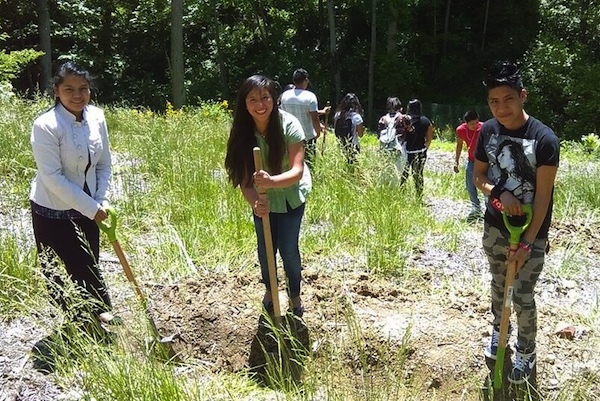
x=69 y=192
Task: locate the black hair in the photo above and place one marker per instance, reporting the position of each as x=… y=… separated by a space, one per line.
x=299 y=76
x=239 y=161
x=470 y=116
x=288 y=87
x=349 y=103
x=504 y=73
x=415 y=108
x=393 y=105
x=70 y=68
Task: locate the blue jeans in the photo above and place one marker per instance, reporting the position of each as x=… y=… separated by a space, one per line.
x=471 y=188
x=285 y=232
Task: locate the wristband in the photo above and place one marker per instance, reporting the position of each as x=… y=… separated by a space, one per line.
x=497 y=191
x=524 y=244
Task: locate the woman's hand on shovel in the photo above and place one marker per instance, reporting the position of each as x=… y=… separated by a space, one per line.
x=101 y=215
x=263 y=180
x=261 y=207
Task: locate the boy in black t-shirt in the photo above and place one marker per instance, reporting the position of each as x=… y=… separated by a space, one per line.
x=515 y=163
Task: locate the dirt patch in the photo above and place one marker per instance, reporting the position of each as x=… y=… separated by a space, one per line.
x=218 y=315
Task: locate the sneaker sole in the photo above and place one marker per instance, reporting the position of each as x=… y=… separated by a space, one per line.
x=489 y=355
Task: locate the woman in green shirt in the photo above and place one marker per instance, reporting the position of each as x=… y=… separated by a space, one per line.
x=257 y=121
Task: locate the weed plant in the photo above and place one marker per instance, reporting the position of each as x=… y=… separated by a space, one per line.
x=178 y=214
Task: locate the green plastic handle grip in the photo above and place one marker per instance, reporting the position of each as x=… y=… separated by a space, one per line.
x=517 y=231
x=110 y=228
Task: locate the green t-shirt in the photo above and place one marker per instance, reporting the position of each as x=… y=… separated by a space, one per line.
x=296 y=193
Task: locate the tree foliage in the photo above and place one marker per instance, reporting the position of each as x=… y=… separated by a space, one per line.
x=435 y=50
x=563 y=67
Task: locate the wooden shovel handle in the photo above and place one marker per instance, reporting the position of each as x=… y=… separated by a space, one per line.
x=271 y=263
x=127 y=269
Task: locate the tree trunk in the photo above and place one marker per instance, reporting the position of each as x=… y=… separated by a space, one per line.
x=372 y=62
x=177 y=71
x=446 y=29
x=392 y=32
x=335 y=65
x=219 y=52
x=45 y=46
x=485 y=22
x=105 y=37
x=433 y=55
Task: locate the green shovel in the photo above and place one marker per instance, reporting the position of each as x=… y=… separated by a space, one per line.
x=110 y=229
x=515 y=238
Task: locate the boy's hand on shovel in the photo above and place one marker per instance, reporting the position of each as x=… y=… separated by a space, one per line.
x=520 y=256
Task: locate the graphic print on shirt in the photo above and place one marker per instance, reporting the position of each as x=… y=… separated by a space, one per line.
x=512 y=165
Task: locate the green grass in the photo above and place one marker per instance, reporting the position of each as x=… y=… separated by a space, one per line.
x=178 y=214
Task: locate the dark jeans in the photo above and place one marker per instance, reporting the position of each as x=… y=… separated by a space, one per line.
x=285 y=232
x=416 y=163
x=77 y=244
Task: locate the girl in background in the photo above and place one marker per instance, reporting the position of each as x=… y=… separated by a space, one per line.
x=348 y=123
x=417 y=143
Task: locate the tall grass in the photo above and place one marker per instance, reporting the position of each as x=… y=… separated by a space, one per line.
x=178 y=214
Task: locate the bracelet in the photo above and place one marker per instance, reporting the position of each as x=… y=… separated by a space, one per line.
x=497 y=191
x=524 y=244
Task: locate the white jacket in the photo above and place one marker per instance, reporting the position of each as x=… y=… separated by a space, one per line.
x=60 y=148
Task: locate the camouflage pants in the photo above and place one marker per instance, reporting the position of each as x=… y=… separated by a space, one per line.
x=495 y=245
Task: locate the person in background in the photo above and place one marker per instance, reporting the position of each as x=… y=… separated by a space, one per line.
x=417 y=143
x=348 y=126
x=303 y=104
x=286 y=88
x=467 y=134
x=69 y=194
x=393 y=142
x=285 y=177
x=516 y=161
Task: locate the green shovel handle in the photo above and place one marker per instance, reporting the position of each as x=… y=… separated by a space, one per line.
x=110 y=228
x=517 y=231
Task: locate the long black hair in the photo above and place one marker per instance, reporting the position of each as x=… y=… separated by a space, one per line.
x=348 y=104
x=239 y=161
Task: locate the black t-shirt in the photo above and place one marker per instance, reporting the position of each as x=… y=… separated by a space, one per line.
x=416 y=140
x=513 y=158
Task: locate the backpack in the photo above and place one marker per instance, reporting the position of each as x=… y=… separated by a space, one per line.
x=343 y=126
x=404 y=126
x=387 y=136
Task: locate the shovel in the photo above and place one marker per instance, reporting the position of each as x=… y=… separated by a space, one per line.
x=110 y=229
x=268 y=244
x=515 y=238
x=285 y=346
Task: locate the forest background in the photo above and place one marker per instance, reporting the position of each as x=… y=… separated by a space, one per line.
x=155 y=53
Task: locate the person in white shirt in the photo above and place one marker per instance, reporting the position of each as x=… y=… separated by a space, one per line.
x=69 y=193
x=303 y=104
